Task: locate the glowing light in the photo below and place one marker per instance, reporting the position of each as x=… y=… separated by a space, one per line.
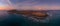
x=5 y=5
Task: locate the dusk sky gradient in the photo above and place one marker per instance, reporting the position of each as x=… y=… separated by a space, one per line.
x=30 y=4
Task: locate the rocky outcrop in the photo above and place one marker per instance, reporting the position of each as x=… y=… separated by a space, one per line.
x=40 y=14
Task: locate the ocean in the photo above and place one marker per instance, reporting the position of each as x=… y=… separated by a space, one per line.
x=19 y=20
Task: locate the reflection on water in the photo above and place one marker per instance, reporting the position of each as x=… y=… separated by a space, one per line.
x=3 y=15
x=17 y=19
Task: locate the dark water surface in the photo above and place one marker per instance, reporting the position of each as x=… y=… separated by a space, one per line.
x=19 y=20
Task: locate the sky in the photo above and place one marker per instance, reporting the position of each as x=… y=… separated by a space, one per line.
x=30 y=4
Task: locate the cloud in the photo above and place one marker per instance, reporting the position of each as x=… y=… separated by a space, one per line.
x=5 y=5
x=29 y=5
x=36 y=5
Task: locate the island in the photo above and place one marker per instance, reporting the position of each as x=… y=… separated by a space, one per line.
x=36 y=13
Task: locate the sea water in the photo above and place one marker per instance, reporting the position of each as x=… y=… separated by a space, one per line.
x=19 y=20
